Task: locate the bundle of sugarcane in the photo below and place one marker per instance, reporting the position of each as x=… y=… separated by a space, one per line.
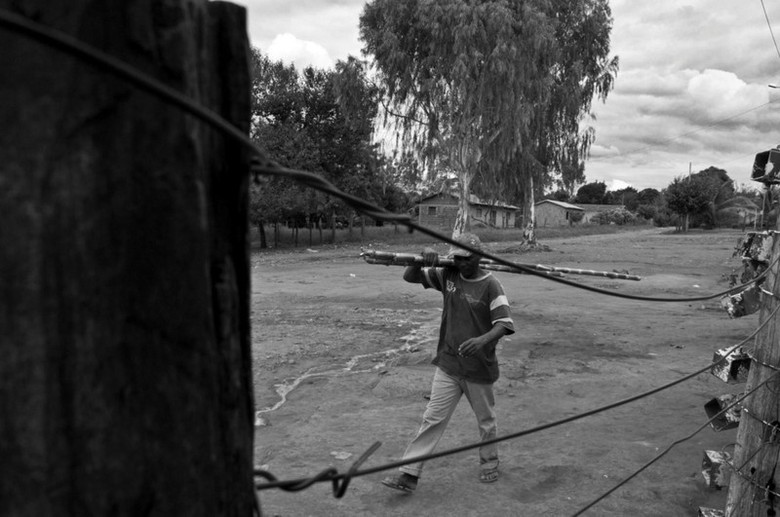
x=387 y=258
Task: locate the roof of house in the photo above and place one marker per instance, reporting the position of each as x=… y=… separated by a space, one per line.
x=599 y=208
x=473 y=200
x=567 y=206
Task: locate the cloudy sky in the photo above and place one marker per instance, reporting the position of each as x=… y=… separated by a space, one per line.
x=692 y=90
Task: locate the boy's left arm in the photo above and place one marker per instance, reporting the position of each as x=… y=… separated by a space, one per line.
x=472 y=345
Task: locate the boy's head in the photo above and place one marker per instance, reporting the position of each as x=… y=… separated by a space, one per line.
x=468 y=239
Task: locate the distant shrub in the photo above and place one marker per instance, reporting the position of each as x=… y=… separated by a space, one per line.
x=664 y=217
x=617 y=215
x=646 y=211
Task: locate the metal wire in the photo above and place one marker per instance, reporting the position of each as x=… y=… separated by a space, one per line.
x=762 y=363
x=665 y=451
x=771 y=32
x=750 y=480
x=543 y=427
x=263 y=165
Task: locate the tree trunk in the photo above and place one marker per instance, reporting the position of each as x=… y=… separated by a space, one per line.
x=126 y=371
x=462 y=223
x=754 y=454
x=714 y=214
x=263 y=240
x=529 y=210
x=333 y=227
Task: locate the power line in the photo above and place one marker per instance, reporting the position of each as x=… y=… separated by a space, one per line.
x=769 y=24
x=677 y=137
x=717 y=122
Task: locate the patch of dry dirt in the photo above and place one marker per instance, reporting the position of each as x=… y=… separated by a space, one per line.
x=342 y=352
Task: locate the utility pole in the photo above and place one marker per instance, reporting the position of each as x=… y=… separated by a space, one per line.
x=753 y=484
x=125 y=378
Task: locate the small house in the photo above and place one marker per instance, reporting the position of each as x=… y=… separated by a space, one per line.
x=556 y=213
x=441 y=209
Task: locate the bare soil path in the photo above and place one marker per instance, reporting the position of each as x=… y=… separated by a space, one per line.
x=342 y=352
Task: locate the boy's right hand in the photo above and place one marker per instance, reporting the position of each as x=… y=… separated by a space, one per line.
x=430 y=257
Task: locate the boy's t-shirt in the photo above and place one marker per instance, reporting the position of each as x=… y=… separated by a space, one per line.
x=471 y=307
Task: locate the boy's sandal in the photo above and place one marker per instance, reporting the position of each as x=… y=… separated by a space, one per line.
x=489 y=475
x=402 y=483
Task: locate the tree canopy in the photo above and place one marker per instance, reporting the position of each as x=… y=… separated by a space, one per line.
x=648 y=196
x=581 y=70
x=320 y=121
x=592 y=193
x=688 y=196
x=625 y=196
x=493 y=90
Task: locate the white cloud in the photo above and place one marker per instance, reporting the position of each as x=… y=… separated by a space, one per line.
x=599 y=151
x=616 y=184
x=691 y=91
x=332 y=24
x=286 y=47
x=686 y=98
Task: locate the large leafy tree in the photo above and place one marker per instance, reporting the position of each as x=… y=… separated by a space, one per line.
x=278 y=126
x=492 y=90
x=721 y=190
x=463 y=76
x=579 y=70
x=688 y=196
x=592 y=193
x=648 y=196
x=625 y=196
x=317 y=120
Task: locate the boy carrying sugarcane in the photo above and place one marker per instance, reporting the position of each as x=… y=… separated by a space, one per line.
x=475 y=315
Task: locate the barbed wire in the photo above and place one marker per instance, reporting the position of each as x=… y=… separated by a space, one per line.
x=774 y=427
x=767 y=489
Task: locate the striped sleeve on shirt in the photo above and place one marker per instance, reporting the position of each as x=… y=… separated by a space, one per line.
x=432 y=278
x=499 y=312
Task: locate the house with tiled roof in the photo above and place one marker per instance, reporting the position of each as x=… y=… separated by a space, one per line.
x=439 y=210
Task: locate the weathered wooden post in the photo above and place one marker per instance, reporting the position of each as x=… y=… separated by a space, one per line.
x=757 y=450
x=125 y=375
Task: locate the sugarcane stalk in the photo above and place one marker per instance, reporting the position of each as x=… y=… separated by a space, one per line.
x=388 y=258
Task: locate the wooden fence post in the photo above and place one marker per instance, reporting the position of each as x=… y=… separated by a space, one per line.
x=125 y=378
x=757 y=451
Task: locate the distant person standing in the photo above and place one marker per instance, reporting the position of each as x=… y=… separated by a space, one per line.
x=475 y=315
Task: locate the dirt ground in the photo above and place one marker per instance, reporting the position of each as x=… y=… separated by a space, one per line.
x=342 y=351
